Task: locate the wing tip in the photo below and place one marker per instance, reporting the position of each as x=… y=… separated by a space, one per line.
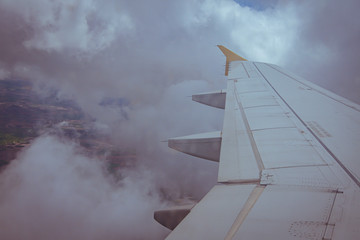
x=230 y=55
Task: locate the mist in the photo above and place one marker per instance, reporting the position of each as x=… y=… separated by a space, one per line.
x=153 y=54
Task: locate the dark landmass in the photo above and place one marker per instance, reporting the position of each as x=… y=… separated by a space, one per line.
x=24 y=115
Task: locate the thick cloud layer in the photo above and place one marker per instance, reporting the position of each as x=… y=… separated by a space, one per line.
x=154 y=54
x=54 y=192
x=327 y=47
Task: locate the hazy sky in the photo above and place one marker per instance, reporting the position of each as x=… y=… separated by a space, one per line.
x=154 y=54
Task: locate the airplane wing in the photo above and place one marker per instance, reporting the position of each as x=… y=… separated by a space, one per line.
x=289 y=165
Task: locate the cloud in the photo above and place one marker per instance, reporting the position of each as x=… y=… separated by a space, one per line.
x=52 y=191
x=85 y=27
x=4 y=73
x=326 y=50
x=260 y=35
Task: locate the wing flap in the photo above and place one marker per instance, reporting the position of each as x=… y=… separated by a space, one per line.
x=214 y=215
x=282 y=212
x=238 y=161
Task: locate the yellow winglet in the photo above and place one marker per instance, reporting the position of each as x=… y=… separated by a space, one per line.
x=230 y=56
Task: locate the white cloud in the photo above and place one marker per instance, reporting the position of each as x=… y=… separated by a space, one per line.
x=77 y=26
x=261 y=35
x=54 y=192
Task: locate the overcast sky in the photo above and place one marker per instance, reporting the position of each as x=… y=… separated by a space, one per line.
x=154 y=54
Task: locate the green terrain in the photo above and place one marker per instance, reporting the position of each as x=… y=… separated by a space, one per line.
x=24 y=116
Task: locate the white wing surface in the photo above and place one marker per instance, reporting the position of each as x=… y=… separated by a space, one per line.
x=289 y=165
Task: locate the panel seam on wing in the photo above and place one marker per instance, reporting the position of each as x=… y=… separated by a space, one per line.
x=347 y=171
x=311 y=88
x=249 y=132
x=254 y=196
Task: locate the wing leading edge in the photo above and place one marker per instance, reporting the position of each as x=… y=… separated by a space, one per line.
x=288 y=161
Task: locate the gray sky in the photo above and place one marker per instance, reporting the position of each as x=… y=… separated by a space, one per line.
x=154 y=54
